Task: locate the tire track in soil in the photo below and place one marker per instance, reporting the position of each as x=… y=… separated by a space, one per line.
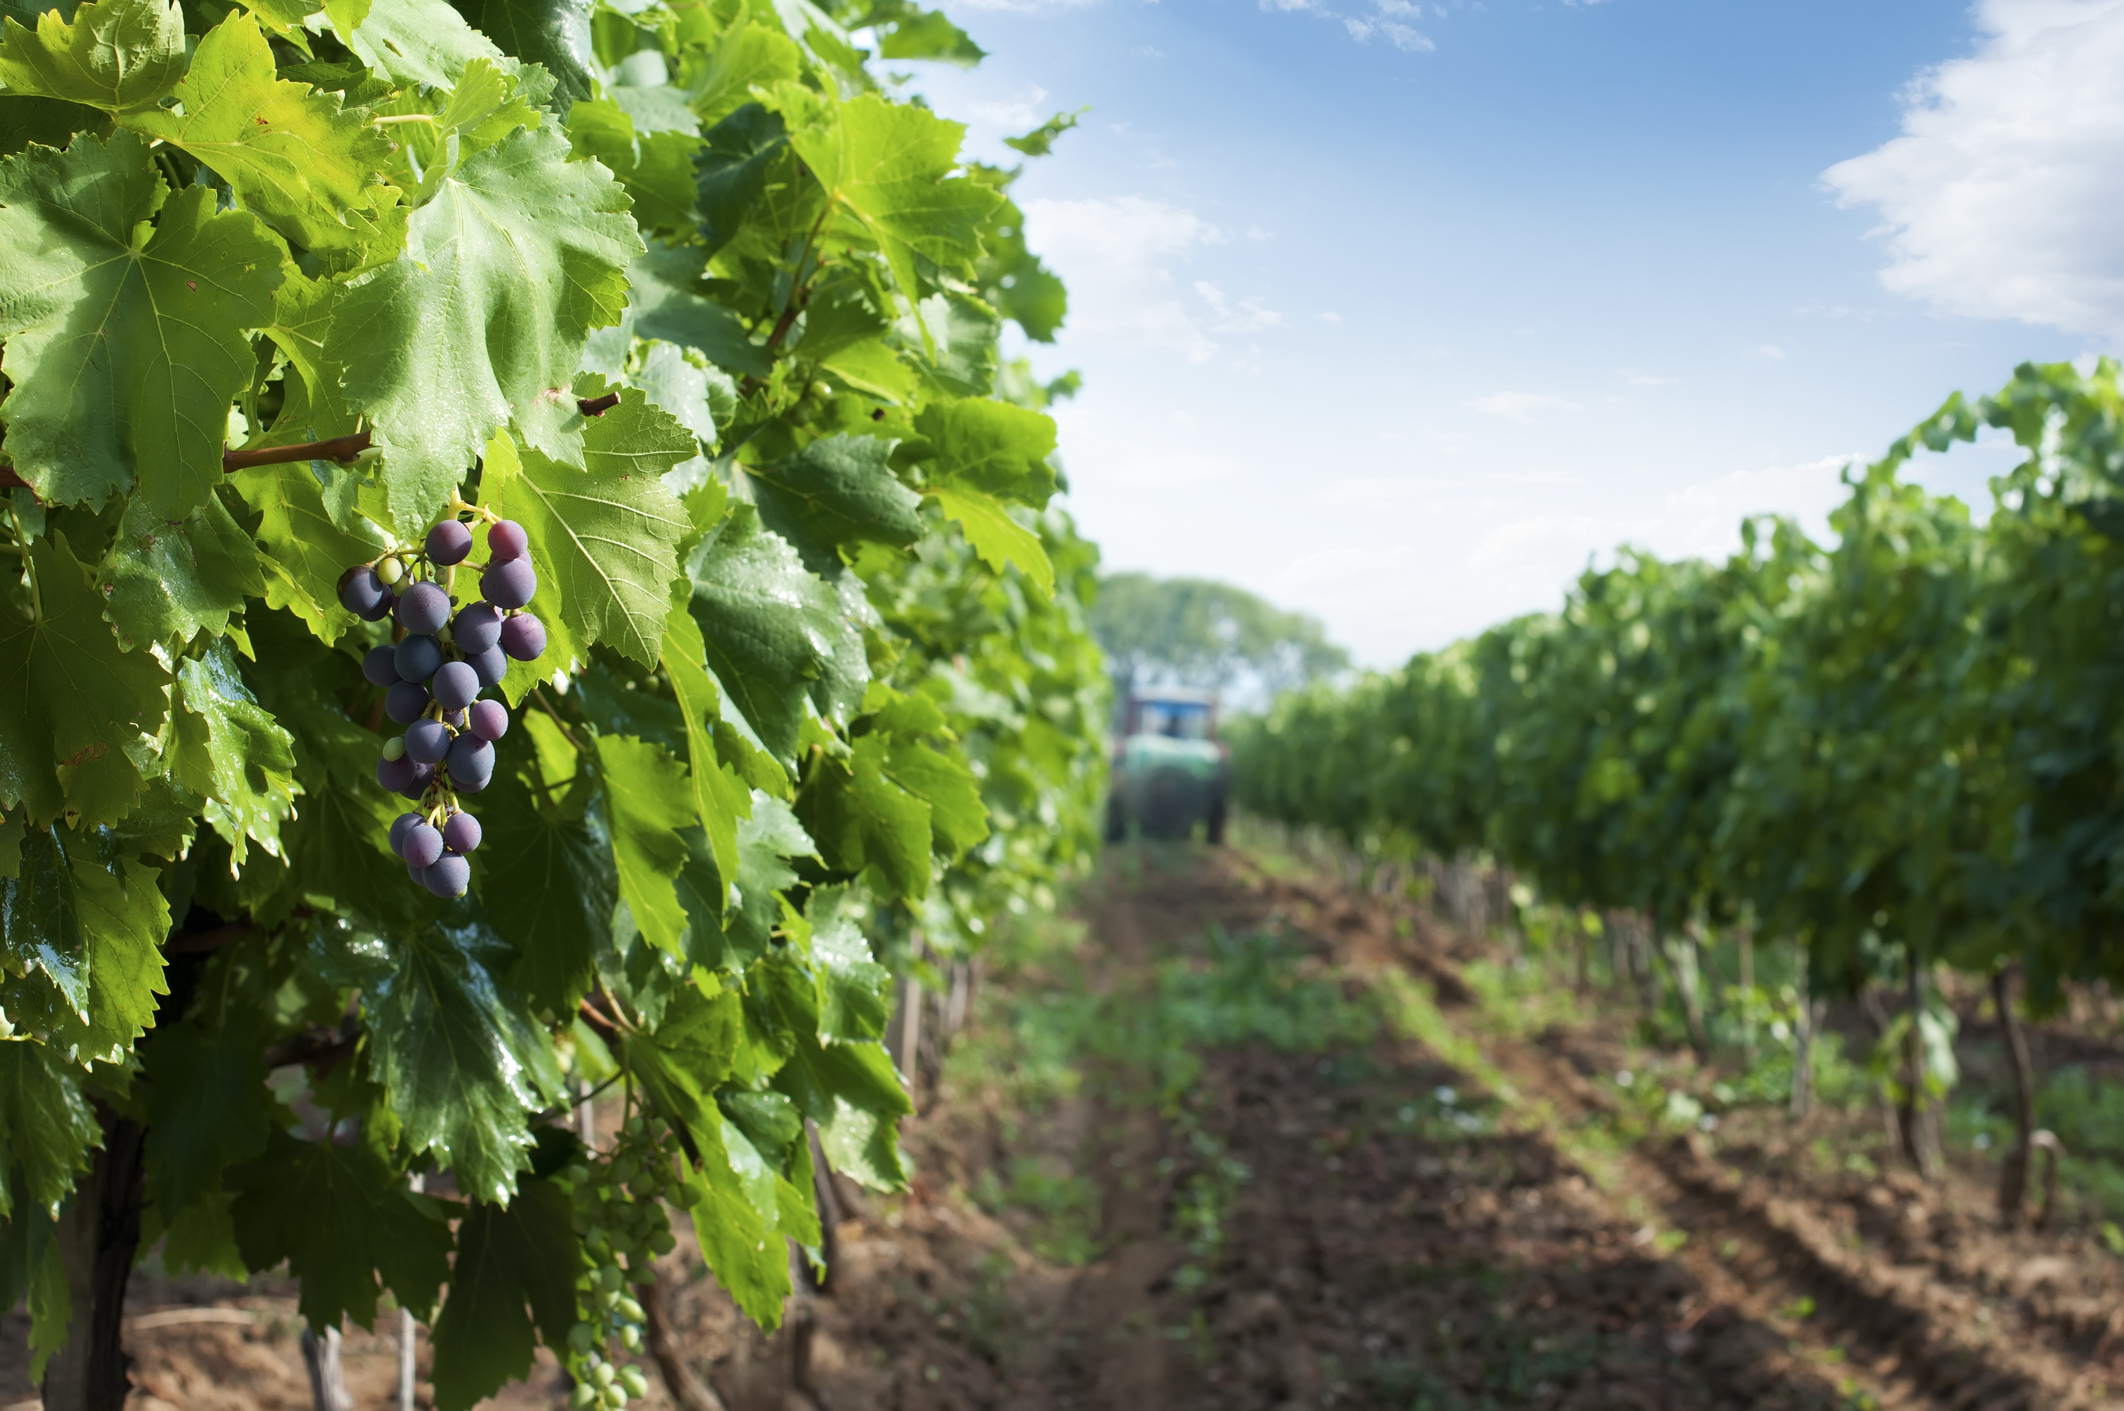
x=1905 y=1337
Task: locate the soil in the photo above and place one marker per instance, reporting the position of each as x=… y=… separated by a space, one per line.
x=1363 y=1260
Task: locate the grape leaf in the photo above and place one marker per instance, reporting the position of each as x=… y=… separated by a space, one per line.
x=208 y=1108
x=117 y=55
x=605 y=538
x=848 y=1089
x=995 y=536
x=655 y=167
x=124 y=919
x=862 y=818
x=927 y=34
x=166 y=581
x=47 y=121
x=554 y=34
x=648 y=800
x=285 y=149
x=773 y=632
x=69 y=695
x=891 y=164
x=46 y=1128
x=340 y=1218
x=753 y=54
x=463 y=1059
x=1001 y=450
x=720 y=798
x=851 y=985
x=232 y=751
x=507 y=1257
x=305 y=550
x=125 y=353
x=414 y=42
x=666 y=303
x=483 y=317
x=40 y=918
x=837 y=490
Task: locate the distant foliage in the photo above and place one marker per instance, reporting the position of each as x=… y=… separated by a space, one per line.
x=1210 y=636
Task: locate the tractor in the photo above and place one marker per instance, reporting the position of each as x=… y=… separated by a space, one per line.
x=1170 y=772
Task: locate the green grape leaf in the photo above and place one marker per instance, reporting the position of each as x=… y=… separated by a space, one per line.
x=304 y=549
x=46 y=1128
x=957 y=817
x=40 y=918
x=837 y=490
x=686 y=1058
x=753 y=54
x=852 y=986
x=524 y=1253
x=995 y=536
x=667 y=303
x=927 y=34
x=720 y=799
x=337 y=850
x=461 y=1056
x=605 y=538
x=312 y=407
x=891 y=164
x=341 y=1219
x=414 y=42
x=46 y=121
x=649 y=801
x=684 y=383
x=765 y=840
x=655 y=167
x=483 y=318
x=744 y=171
x=69 y=695
x=861 y=818
x=126 y=345
x=208 y=1108
x=554 y=34
x=124 y=919
x=993 y=447
x=117 y=55
x=848 y=1089
x=773 y=632
x=285 y=149
x=167 y=581
x=231 y=751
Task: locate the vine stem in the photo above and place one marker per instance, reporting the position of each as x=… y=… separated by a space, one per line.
x=547 y=706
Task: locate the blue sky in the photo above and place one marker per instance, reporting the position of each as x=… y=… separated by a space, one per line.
x=1397 y=312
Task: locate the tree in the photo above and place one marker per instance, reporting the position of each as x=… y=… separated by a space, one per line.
x=1192 y=632
x=687 y=331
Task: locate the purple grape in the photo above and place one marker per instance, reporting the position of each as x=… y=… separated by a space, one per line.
x=449 y=542
x=424 y=609
x=449 y=876
x=455 y=686
x=399 y=825
x=416 y=874
x=423 y=775
x=424 y=844
x=361 y=592
x=506 y=540
x=427 y=741
x=380 y=666
x=524 y=637
x=489 y=666
x=470 y=758
x=395 y=774
x=477 y=628
x=405 y=701
x=509 y=584
x=489 y=719
x=461 y=833
x=417 y=658
x=455 y=721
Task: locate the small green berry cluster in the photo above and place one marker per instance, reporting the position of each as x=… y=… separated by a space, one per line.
x=621 y=1219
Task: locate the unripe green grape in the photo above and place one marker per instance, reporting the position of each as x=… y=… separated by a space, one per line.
x=582 y=1337
x=610 y=1276
x=819 y=389
x=583 y=1397
x=390 y=570
x=595 y=1240
x=644 y=1186
x=623 y=1170
x=614 y=1397
x=630 y=1337
x=632 y=1379
x=602 y=1374
x=629 y=1309
x=663 y=1241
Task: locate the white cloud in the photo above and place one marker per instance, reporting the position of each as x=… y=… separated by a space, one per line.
x=1248 y=316
x=1117 y=255
x=2000 y=198
x=1385 y=21
x=1019 y=115
x=1767 y=350
x=1328 y=316
x=1519 y=406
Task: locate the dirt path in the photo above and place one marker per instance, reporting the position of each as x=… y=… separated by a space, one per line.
x=1420 y=1215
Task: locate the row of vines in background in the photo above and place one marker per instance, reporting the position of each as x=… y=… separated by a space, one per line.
x=1861 y=762
x=688 y=293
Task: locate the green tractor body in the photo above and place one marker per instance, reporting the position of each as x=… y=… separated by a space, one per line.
x=1170 y=771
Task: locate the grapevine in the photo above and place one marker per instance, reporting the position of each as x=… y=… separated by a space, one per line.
x=567 y=464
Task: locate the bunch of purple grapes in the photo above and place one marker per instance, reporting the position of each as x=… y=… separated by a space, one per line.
x=433 y=676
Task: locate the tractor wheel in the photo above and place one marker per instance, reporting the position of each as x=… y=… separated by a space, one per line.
x=1172 y=801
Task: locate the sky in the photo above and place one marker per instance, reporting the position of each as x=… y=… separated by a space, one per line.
x=1399 y=313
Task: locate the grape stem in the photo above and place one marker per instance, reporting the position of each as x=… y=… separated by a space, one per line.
x=337 y=448
x=547 y=706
